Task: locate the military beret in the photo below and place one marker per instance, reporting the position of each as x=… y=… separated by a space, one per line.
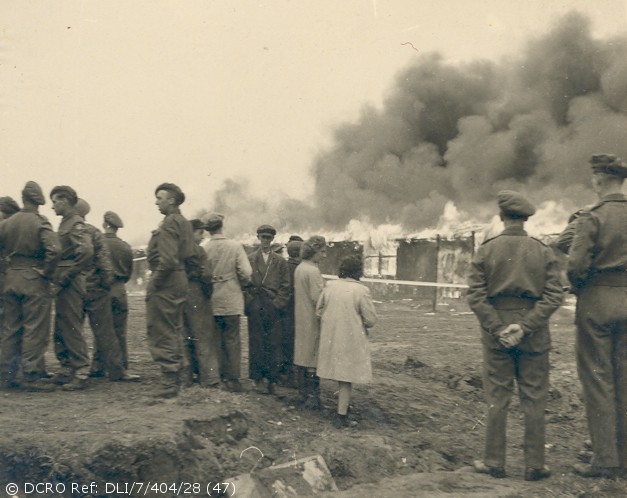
x=608 y=164
x=214 y=221
x=65 y=191
x=269 y=229
x=293 y=248
x=297 y=238
x=8 y=206
x=82 y=207
x=112 y=219
x=33 y=193
x=197 y=224
x=174 y=190
x=513 y=204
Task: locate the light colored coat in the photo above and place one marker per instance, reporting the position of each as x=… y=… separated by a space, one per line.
x=346 y=310
x=230 y=269
x=308 y=284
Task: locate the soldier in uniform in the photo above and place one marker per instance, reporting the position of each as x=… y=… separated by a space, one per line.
x=122 y=261
x=201 y=355
x=597 y=270
x=32 y=248
x=99 y=277
x=76 y=253
x=267 y=298
x=230 y=271
x=514 y=287
x=170 y=245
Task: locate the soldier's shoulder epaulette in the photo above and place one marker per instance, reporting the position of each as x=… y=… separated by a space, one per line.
x=491 y=239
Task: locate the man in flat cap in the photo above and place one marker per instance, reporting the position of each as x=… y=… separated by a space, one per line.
x=200 y=354
x=288 y=369
x=514 y=287
x=170 y=245
x=107 y=358
x=122 y=262
x=230 y=271
x=76 y=253
x=267 y=299
x=34 y=252
x=597 y=270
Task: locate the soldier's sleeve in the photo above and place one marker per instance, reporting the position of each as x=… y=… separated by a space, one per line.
x=168 y=247
x=366 y=309
x=52 y=248
x=102 y=260
x=126 y=262
x=242 y=266
x=478 y=296
x=83 y=248
x=285 y=289
x=565 y=239
x=551 y=299
x=581 y=250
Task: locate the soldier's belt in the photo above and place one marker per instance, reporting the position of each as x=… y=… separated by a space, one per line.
x=608 y=279
x=25 y=262
x=512 y=303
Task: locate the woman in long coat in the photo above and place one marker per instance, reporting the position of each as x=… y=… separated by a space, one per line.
x=346 y=311
x=308 y=284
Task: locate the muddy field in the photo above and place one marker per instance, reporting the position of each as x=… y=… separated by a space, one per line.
x=415 y=430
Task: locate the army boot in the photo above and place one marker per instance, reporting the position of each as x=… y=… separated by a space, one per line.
x=169 y=385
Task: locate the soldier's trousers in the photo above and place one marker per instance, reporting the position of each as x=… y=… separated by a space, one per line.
x=265 y=327
x=26 y=330
x=164 y=320
x=602 y=365
x=229 y=344
x=107 y=355
x=69 y=344
x=531 y=371
x=200 y=337
x=119 y=308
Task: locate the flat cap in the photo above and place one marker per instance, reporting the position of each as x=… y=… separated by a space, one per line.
x=269 y=229
x=297 y=238
x=514 y=204
x=174 y=190
x=214 y=221
x=82 y=207
x=197 y=224
x=112 y=219
x=33 y=193
x=608 y=164
x=8 y=206
x=293 y=248
x=65 y=190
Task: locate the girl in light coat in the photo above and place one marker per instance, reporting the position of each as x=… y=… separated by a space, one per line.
x=346 y=311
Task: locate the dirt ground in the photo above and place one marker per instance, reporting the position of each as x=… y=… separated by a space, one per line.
x=415 y=430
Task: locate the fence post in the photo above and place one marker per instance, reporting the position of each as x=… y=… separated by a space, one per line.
x=437 y=263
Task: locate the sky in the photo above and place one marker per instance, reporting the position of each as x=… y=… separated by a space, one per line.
x=116 y=97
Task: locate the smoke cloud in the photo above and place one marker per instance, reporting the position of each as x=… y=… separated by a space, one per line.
x=460 y=133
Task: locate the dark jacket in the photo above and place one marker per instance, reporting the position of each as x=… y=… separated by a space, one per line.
x=272 y=279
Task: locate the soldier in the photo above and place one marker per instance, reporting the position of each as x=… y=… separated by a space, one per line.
x=597 y=270
x=230 y=270
x=514 y=287
x=170 y=245
x=267 y=299
x=99 y=277
x=33 y=251
x=122 y=261
x=201 y=353
x=76 y=253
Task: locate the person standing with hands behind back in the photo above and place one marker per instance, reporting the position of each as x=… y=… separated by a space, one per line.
x=346 y=312
x=514 y=287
